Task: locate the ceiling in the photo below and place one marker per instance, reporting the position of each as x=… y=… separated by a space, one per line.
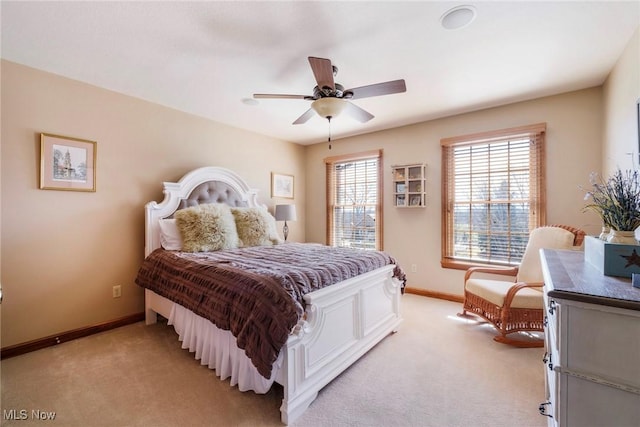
x=205 y=58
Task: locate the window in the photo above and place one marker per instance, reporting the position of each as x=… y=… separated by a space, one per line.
x=493 y=195
x=354 y=200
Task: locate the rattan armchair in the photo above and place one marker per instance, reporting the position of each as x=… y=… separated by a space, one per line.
x=517 y=305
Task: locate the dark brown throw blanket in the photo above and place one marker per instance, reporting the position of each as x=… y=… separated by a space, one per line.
x=256 y=293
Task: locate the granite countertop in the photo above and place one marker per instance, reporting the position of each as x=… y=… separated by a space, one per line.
x=574 y=279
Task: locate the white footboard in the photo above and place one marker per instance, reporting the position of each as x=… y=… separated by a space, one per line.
x=342 y=323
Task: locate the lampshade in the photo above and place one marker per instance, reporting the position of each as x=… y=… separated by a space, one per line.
x=328 y=107
x=285 y=212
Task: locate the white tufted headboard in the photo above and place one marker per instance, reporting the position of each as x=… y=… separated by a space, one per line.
x=204 y=185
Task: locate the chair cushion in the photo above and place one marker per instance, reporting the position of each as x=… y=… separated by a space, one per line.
x=495 y=291
x=530 y=270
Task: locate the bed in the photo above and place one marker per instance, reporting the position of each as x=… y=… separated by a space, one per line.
x=337 y=325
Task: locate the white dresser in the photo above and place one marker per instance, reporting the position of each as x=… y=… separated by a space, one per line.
x=592 y=343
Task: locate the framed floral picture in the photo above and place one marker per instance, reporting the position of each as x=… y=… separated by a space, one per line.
x=281 y=185
x=67 y=163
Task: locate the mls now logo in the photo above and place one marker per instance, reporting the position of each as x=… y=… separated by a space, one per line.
x=23 y=414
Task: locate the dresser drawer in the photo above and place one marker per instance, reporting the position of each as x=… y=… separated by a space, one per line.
x=592 y=404
x=603 y=343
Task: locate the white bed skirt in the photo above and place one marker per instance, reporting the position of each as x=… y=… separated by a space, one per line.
x=217 y=349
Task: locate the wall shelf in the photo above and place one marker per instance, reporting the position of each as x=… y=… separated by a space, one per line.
x=409 y=185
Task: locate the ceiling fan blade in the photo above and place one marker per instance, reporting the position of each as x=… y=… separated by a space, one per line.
x=323 y=72
x=386 y=88
x=357 y=113
x=303 y=118
x=279 y=96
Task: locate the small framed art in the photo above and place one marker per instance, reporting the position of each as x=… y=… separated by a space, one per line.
x=67 y=163
x=415 y=200
x=281 y=185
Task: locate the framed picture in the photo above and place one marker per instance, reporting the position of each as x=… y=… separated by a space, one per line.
x=67 y=163
x=281 y=185
x=414 y=200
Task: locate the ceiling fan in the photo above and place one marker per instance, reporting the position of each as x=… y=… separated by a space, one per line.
x=330 y=98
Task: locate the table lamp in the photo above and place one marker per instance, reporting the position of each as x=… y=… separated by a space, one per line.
x=285 y=213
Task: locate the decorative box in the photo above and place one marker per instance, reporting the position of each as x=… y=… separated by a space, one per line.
x=612 y=259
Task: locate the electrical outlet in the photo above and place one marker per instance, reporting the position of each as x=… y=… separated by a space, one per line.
x=414 y=268
x=117 y=291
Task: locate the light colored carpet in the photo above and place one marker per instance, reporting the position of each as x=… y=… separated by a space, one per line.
x=438 y=370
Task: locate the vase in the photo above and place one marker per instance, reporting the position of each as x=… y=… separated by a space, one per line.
x=604 y=234
x=624 y=237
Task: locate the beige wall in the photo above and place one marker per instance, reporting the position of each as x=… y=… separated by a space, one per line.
x=64 y=251
x=574 y=132
x=621 y=92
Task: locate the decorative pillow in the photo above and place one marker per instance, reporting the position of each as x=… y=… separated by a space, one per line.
x=256 y=227
x=208 y=227
x=170 y=237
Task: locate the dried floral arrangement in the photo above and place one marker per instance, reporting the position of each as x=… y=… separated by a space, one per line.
x=616 y=200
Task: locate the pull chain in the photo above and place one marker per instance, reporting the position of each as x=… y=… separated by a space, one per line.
x=329 y=118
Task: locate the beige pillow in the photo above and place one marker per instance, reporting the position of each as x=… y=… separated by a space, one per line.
x=208 y=227
x=256 y=227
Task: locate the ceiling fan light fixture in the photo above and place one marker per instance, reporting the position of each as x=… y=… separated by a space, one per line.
x=458 y=17
x=330 y=99
x=328 y=107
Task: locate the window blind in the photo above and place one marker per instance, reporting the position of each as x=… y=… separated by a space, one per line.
x=492 y=194
x=354 y=211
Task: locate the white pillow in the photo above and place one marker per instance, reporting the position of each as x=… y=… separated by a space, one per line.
x=170 y=237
